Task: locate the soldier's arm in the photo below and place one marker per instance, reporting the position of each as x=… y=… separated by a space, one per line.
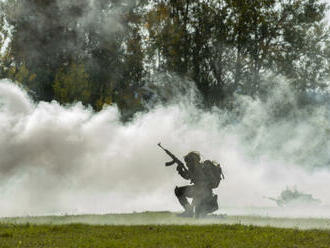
x=183 y=172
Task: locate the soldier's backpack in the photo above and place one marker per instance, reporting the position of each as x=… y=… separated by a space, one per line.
x=213 y=173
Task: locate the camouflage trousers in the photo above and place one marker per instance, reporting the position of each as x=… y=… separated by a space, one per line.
x=203 y=199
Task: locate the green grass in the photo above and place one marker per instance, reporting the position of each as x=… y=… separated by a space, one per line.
x=162 y=229
x=207 y=236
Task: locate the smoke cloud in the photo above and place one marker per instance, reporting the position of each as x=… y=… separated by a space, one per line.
x=65 y=28
x=69 y=159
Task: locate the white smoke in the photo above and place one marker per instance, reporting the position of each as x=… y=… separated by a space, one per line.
x=69 y=159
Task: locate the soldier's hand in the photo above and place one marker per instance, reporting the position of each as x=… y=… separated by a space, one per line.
x=180 y=169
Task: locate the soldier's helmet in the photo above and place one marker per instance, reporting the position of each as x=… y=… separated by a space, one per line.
x=192 y=157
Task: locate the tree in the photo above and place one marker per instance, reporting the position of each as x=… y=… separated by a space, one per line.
x=52 y=39
x=226 y=46
x=72 y=85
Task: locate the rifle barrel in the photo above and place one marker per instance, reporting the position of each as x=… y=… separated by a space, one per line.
x=174 y=158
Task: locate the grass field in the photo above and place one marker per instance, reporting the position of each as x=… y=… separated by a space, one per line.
x=153 y=230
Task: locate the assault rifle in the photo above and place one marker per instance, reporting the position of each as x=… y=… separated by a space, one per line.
x=174 y=158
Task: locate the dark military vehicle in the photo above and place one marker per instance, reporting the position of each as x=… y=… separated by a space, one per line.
x=294 y=198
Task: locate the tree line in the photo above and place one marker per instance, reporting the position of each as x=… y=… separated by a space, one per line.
x=104 y=52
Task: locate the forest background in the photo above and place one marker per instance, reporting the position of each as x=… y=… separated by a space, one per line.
x=114 y=51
